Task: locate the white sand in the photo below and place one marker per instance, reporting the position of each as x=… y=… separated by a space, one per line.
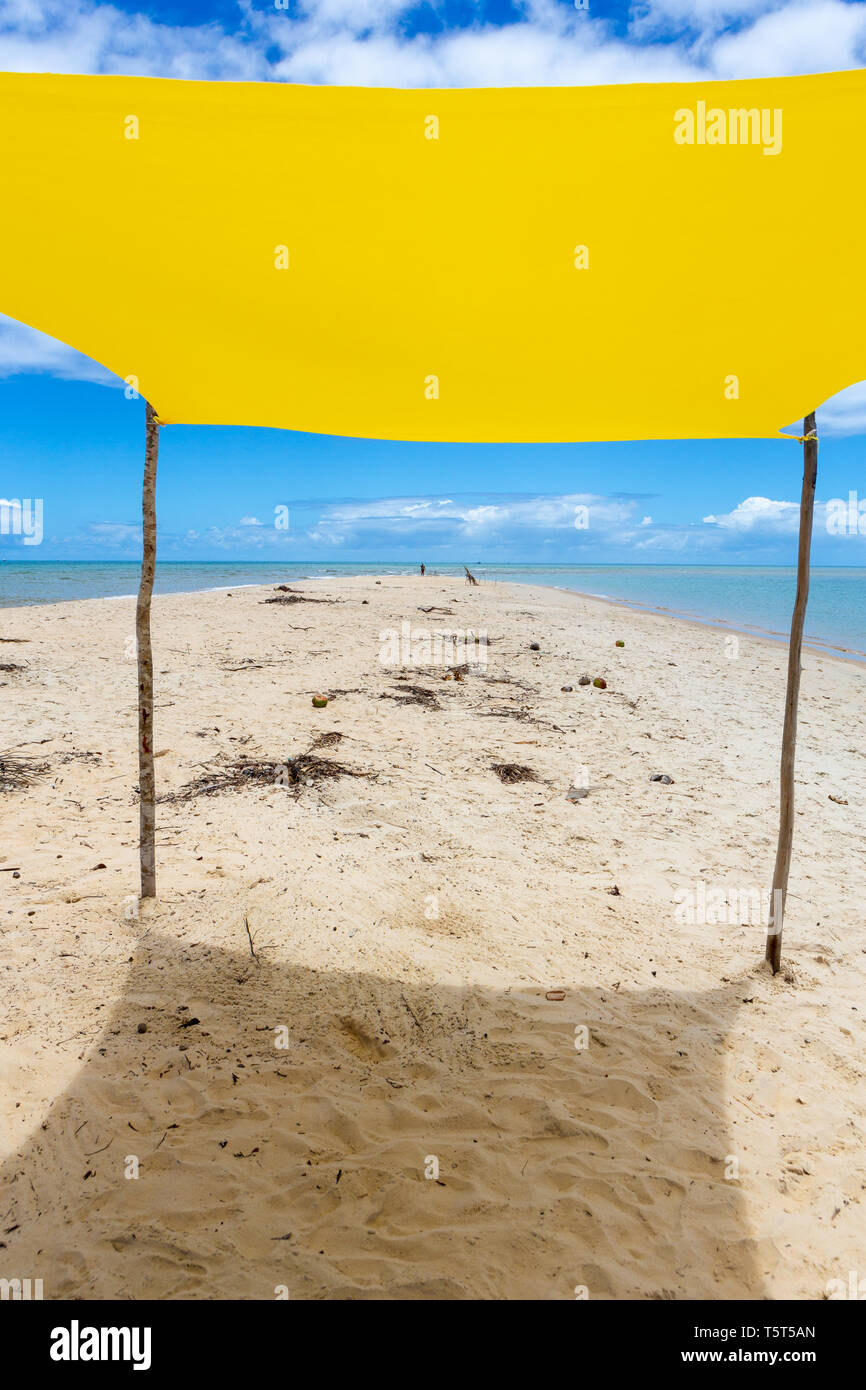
x=707 y=1143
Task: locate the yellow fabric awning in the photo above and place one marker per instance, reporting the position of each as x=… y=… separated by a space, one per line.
x=635 y=262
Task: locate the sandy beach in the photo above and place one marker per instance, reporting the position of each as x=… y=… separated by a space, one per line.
x=413 y=1031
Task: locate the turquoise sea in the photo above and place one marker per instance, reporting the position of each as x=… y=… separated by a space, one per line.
x=748 y=598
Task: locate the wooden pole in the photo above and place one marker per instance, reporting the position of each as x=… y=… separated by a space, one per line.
x=789 y=732
x=146 y=776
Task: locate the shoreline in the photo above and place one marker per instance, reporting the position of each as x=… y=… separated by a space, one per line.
x=817 y=646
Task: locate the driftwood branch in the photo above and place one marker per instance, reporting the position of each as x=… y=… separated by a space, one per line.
x=146 y=776
x=250 y=939
x=789 y=732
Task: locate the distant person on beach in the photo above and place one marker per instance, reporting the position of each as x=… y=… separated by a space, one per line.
x=423 y=568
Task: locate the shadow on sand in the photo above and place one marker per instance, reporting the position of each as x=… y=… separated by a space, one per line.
x=304 y=1166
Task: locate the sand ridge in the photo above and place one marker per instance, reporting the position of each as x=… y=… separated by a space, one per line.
x=408 y=926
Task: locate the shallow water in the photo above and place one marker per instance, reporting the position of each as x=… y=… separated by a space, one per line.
x=745 y=597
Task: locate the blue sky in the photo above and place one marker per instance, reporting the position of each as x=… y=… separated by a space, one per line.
x=68 y=435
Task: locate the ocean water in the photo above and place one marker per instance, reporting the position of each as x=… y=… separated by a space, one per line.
x=746 y=598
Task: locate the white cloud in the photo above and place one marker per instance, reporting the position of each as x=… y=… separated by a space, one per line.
x=554 y=47
x=759 y=514
x=813 y=37
x=493 y=528
x=482 y=521
x=364 y=41
x=844 y=413
x=88 y=37
x=114 y=534
x=22 y=349
x=395 y=524
x=656 y=16
x=355 y=15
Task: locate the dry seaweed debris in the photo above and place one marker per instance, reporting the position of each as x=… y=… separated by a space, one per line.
x=292 y=596
x=79 y=755
x=521 y=714
x=307 y=768
x=412 y=695
x=304 y=770
x=12 y=667
x=18 y=771
x=518 y=712
x=241 y=772
x=327 y=740
x=249 y=663
x=514 y=772
x=505 y=680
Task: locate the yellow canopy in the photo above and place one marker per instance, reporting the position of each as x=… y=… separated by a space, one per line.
x=637 y=262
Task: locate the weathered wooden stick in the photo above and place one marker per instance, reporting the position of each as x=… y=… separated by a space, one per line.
x=146 y=776
x=789 y=731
